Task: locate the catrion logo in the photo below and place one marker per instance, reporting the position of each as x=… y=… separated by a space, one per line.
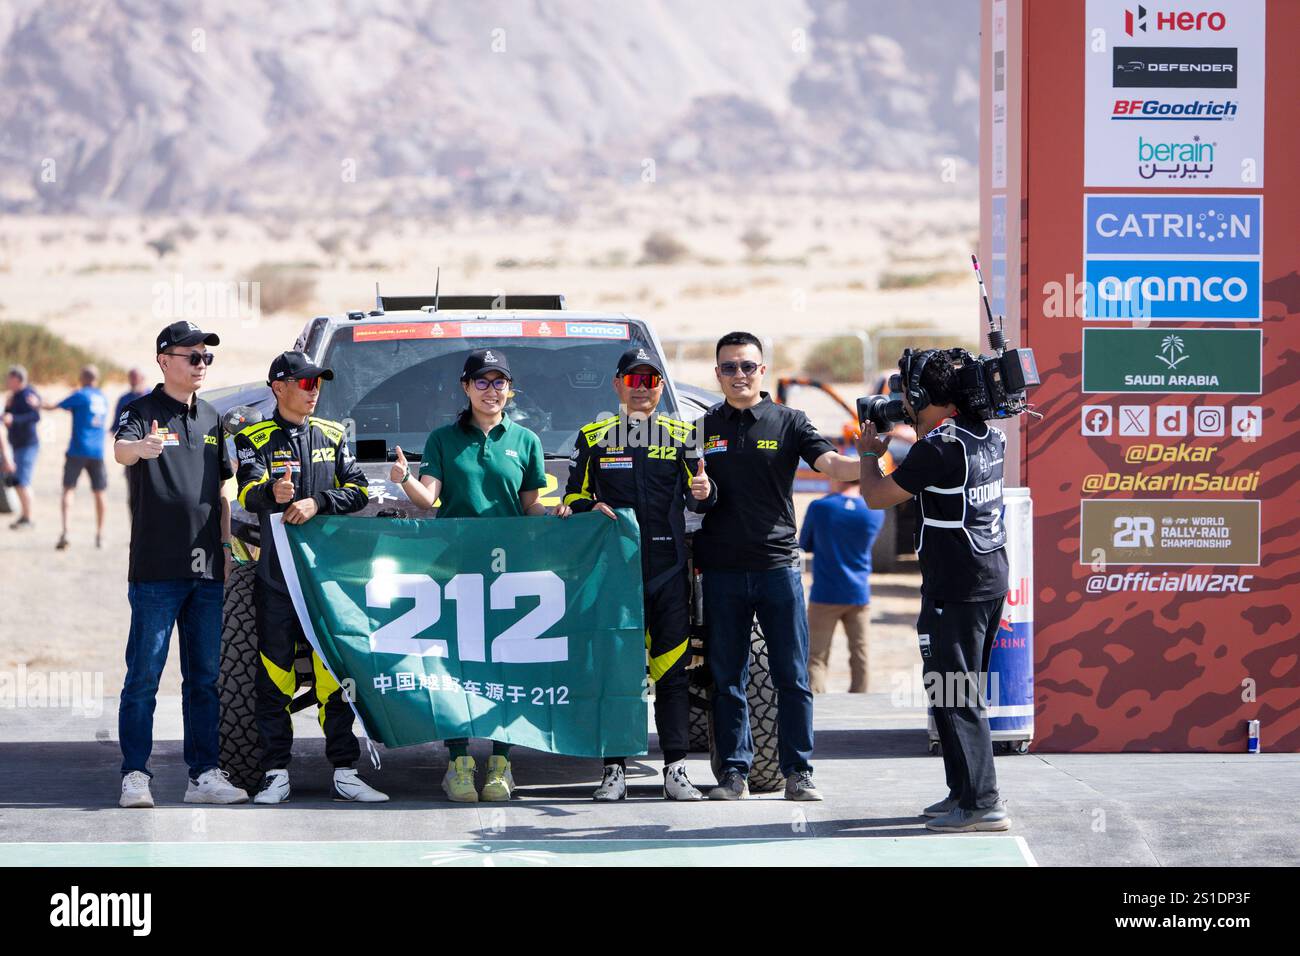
x=1209 y=110
x=75 y=908
x=1183 y=67
x=1172 y=21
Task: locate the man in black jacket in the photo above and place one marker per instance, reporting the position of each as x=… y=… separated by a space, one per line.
x=650 y=463
x=299 y=466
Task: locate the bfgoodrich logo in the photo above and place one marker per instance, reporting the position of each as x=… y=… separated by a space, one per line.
x=1184 y=67
x=74 y=908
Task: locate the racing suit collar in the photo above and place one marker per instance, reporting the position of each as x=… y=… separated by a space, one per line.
x=287 y=425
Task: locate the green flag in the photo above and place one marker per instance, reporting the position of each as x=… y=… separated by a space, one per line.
x=524 y=630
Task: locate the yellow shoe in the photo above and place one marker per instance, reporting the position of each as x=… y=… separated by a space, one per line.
x=458 y=782
x=500 y=783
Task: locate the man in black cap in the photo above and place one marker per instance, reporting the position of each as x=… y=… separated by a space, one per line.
x=170 y=442
x=650 y=463
x=299 y=466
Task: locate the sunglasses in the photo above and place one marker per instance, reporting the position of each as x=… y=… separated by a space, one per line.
x=729 y=369
x=642 y=380
x=308 y=384
x=500 y=384
x=195 y=358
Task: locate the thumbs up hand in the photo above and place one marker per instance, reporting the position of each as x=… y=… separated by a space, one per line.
x=283 y=488
x=701 y=487
x=151 y=445
x=400 y=467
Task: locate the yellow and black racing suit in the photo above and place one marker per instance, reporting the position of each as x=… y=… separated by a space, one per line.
x=647 y=465
x=323 y=469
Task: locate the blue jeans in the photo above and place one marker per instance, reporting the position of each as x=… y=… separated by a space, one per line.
x=194 y=607
x=731 y=601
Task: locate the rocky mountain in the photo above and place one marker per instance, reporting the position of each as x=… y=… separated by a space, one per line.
x=231 y=105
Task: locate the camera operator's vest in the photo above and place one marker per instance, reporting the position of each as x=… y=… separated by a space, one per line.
x=975 y=506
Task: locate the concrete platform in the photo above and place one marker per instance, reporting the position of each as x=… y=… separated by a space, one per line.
x=59 y=790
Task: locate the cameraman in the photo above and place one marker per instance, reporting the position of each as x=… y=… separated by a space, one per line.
x=954 y=473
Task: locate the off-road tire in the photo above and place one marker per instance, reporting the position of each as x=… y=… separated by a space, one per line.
x=765 y=772
x=237 y=682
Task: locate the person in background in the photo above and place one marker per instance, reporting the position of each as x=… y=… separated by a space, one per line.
x=89 y=410
x=21 y=415
x=135 y=389
x=838 y=531
x=482 y=465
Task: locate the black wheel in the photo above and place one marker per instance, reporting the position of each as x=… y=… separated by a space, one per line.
x=699 y=719
x=237 y=682
x=765 y=772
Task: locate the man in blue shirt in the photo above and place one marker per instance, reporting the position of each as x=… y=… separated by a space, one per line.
x=838 y=531
x=22 y=412
x=89 y=410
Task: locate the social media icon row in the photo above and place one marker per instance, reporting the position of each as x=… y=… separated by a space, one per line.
x=1240 y=421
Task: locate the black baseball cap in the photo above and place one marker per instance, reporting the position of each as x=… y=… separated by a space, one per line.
x=184 y=333
x=481 y=361
x=639 y=355
x=291 y=365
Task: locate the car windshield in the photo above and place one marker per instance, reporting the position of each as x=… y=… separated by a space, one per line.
x=397 y=382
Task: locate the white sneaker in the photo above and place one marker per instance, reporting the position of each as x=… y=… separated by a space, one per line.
x=613 y=785
x=135 y=790
x=214 y=786
x=275 y=789
x=676 y=784
x=348 y=786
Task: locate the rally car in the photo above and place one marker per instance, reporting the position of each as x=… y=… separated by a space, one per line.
x=396 y=378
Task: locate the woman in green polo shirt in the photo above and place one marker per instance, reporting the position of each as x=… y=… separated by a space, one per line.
x=481 y=466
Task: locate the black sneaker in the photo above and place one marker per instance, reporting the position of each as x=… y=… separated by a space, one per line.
x=21 y=524
x=734 y=786
x=63 y=543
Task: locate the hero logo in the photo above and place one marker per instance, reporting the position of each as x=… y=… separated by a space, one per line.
x=1175 y=21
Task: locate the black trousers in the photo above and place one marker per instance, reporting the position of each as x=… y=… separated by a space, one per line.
x=278 y=634
x=667 y=638
x=956 y=638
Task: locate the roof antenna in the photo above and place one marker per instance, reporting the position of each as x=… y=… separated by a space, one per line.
x=379 y=300
x=437 y=283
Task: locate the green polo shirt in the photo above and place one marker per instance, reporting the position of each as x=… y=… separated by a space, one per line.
x=483 y=475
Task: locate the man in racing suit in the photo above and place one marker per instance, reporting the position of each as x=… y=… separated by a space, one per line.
x=651 y=464
x=299 y=466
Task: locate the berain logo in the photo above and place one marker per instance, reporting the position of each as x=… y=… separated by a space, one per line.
x=1174 y=21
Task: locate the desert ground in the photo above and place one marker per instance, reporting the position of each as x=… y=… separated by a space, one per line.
x=883 y=258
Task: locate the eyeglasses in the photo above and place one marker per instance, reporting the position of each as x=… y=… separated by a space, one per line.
x=195 y=358
x=642 y=380
x=308 y=384
x=500 y=384
x=729 y=369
